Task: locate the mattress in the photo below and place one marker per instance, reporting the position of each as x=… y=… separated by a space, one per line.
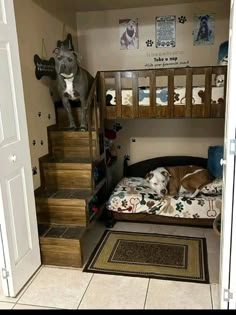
x=162 y=96
x=133 y=195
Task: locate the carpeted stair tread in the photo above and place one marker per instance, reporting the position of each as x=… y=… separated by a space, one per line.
x=61 y=231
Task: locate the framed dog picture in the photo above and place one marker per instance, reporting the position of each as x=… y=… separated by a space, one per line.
x=165 y=31
x=204 y=29
x=129 y=34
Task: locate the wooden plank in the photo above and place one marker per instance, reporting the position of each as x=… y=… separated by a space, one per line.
x=61 y=252
x=118 y=95
x=161 y=72
x=171 y=92
x=65 y=215
x=67 y=179
x=60 y=202
x=189 y=92
x=73 y=152
x=153 y=94
x=103 y=95
x=67 y=166
x=135 y=90
x=208 y=91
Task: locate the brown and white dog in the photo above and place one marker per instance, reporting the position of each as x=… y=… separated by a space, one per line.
x=184 y=180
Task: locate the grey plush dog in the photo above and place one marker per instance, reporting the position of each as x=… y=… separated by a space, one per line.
x=73 y=83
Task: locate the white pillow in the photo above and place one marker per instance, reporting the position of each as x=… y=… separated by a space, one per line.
x=213 y=188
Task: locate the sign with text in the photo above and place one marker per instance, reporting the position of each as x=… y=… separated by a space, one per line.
x=165 y=31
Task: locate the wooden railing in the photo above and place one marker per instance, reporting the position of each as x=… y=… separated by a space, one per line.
x=205 y=109
x=94 y=112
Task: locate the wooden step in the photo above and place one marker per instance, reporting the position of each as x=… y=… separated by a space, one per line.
x=66 y=207
x=62 y=118
x=69 y=144
x=66 y=173
x=60 y=245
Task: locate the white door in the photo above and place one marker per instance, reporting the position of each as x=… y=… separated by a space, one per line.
x=19 y=244
x=228 y=226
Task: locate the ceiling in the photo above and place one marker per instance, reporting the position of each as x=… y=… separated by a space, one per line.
x=96 y=5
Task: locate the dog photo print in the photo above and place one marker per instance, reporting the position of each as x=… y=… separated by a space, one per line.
x=204 y=29
x=129 y=34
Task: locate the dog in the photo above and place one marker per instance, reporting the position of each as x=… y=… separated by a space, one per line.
x=72 y=83
x=179 y=180
x=204 y=31
x=129 y=38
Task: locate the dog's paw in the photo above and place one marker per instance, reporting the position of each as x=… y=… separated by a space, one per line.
x=71 y=127
x=82 y=129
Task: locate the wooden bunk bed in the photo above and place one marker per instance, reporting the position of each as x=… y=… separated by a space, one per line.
x=170 y=93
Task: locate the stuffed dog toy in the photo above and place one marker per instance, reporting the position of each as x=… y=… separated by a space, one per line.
x=73 y=83
x=183 y=180
x=129 y=38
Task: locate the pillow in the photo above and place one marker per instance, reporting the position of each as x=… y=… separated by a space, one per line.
x=213 y=188
x=215 y=154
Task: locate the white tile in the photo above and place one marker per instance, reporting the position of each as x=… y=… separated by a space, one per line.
x=133 y=227
x=115 y=292
x=57 y=287
x=164 y=229
x=214 y=266
x=92 y=238
x=31 y=307
x=213 y=242
x=6 y=306
x=163 y=294
x=14 y=300
x=215 y=296
x=189 y=231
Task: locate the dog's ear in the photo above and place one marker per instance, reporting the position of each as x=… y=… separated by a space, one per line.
x=165 y=173
x=56 y=51
x=78 y=56
x=149 y=176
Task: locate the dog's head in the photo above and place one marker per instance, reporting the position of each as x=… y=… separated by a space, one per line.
x=66 y=62
x=131 y=28
x=204 y=20
x=158 y=180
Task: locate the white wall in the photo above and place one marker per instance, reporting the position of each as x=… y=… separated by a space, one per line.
x=99 y=38
x=33 y=25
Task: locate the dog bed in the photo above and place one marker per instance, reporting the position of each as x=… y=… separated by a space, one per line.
x=132 y=196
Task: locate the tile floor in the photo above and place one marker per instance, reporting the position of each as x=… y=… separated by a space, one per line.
x=68 y=288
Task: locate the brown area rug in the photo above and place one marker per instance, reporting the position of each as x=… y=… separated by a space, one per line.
x=169 y=257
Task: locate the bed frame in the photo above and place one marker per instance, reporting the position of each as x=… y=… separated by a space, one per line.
x=140 y=169
x=207 y=108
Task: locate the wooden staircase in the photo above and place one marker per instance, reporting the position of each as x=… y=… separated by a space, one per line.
x=73 y=189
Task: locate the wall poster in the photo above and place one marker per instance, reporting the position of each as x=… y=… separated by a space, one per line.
x=129 y=38
x=165 y=31
x=204 y=29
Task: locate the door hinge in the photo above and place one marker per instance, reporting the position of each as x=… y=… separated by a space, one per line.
x=5 y=273
x=228 y=295
x=232 y=147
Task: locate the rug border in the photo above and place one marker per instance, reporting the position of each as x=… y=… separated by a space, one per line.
x=204 y=250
